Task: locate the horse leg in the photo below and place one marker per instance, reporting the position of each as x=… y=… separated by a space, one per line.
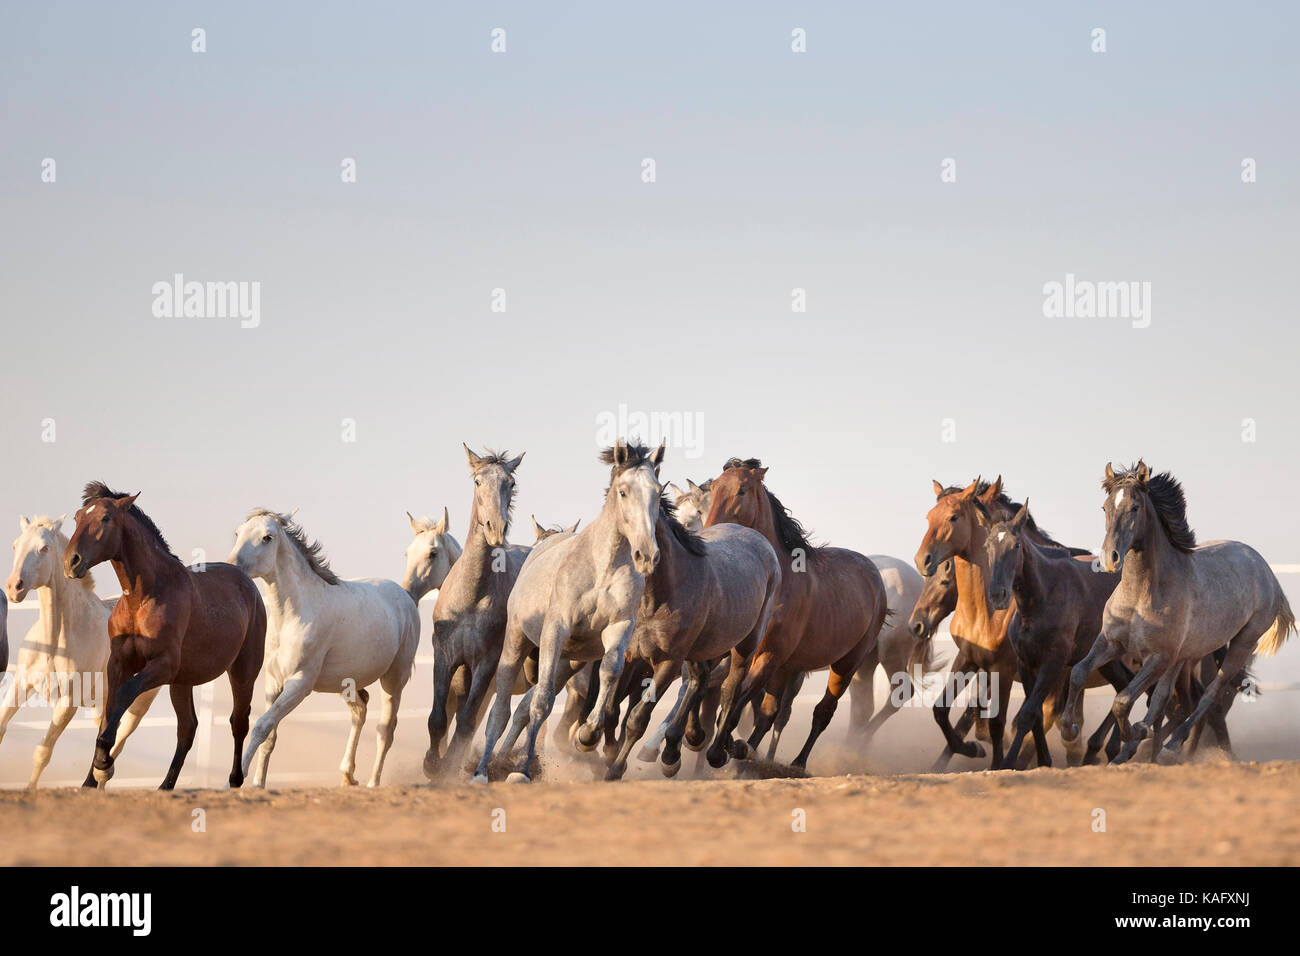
x=390 y=700
x=968 y=717
x=64 y=711
x=466 y=717
x=1030 y=716
x=1103 y=651
x=1002 y=681
x=743 y=685
x=187 y=724
x=357 y=706
x=121 y=695
x=1152 y=669
x=516 y=649
x=1118 y=676
x=862 y=696
x=694 y=685
x=614 y=639
x=638 y=718
x=554 y=636
x=274 y=688
x=837 y=682
x=788 y=693
x=442 y=674
x=649 y=752
x=131 y=720
x=294 y=692
x=1218 y=694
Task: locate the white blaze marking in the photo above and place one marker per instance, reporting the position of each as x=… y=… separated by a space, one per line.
x=1119 y=496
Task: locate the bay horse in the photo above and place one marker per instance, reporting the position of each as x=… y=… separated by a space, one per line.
x=328 y=635
x=829 y=612
x=172 y=625
x=1059 y=601
x=576 y=600
x=1176 y=603
x=67 y=645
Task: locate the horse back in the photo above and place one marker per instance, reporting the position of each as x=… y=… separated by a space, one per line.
x=225 y=609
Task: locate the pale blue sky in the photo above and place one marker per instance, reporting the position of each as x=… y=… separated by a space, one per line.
x=522 y=170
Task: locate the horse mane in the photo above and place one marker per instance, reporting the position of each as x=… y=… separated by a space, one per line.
x=55 y=525
x=1012 y=507
x=689 y=540
x=1166 y=495
x=789 y=530
x=97 y=489
x=312 y=551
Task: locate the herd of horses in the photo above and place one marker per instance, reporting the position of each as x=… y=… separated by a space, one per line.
x=715 y=584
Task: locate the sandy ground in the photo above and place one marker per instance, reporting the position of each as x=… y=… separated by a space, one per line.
x=1209 y=813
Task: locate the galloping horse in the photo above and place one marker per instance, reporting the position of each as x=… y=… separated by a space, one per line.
x=692 y=504
x=577 y=600
x=326 y=635
x=172 y=625
x=429 y=556
x=829 y=612
x=980 y=631
x=1059 y=600
x=67 y=645
x=469 y=618
x=1176 y=602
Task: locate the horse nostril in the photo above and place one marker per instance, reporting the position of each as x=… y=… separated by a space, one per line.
x=918 y=628
x=1114 y=557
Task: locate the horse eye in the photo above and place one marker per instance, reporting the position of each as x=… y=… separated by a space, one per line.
x=433 y=552
x=476 y=482
x=622 y=493
x=266 y=538
x=44 y=548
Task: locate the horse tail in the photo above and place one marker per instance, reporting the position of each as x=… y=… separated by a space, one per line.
x=1282 y=628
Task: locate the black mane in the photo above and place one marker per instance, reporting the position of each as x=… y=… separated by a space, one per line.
x=1166 y=496
x=689 y=540
x=789 y=531
x=97 y=489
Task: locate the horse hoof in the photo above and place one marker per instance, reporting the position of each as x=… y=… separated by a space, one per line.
x=647 y=754
x=1069 y=731
x=615 y=772
x=582 y=745
x=103 y=776
x=518 y=777
x=430 y=766
x=479 y=778
x=670 y=769
x=695 y=746
x=1141 y=730
x=741 y=750
x=717 y=757
x=349 y=780
x=1169 y=757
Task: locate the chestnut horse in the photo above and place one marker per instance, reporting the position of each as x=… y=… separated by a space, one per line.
x=173 y=624
x=829 y=611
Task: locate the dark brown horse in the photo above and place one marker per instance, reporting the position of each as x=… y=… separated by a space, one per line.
x=173 y=625
x=1059 y=600
x=829 y=612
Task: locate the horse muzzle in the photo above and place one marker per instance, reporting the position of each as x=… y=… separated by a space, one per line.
x=1000 y=599
x=75 y=566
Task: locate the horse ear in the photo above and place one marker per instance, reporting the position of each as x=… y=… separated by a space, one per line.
x=982 y=518
x=969 y=491
x=58 y=522
x=708 y=483
x=1022 y=515
x=992 y=492
x=441 y=526
x=292 y=512
x=513 y=463
x=1143 y=472
x=620 y=452
x=657 y=457
x=125 y=503
x=473 y=458
x=938 y=488
x=537 y=529
x=693 y=487
x=23 y=522
x=677 y=492
x=415 y=525
x=1110 y=472
x=571 y=529
x=761 y=472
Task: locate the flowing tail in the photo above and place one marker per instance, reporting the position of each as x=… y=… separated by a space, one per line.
x=1282 y=628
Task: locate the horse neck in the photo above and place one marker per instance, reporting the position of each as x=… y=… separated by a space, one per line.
x=765 y=525
x=1030 y=585
x=607 y=539
x=972 y=601
x=1146 y=567
x=294 y=587
x=476 y=559
x=141 y=565
x=674 y=562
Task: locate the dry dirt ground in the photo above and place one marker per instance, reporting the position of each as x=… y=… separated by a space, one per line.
x=1208 y=813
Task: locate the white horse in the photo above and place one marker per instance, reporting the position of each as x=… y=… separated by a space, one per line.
x=64 y=652
x=429 y=556
x=324 y=634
